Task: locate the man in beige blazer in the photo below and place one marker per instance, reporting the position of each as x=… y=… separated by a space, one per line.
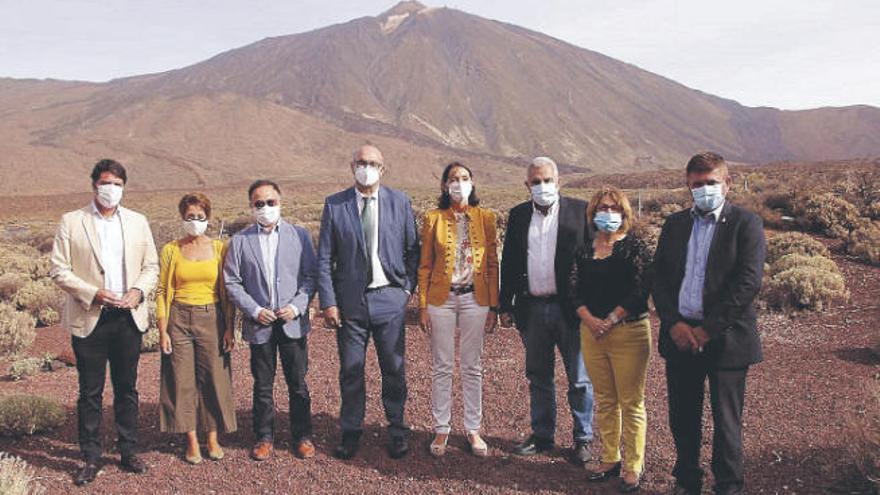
x=104 y=258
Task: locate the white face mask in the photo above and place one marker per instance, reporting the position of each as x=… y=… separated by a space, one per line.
x=267 y=215
x=109 y=195
x=366 y=176
x=460 y=192
x=545 y=193
x=195 y=228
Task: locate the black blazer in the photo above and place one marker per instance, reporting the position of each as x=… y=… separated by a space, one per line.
x=734 y=271
x=514 y=255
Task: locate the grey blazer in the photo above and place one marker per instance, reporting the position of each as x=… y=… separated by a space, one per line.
x=295 y=279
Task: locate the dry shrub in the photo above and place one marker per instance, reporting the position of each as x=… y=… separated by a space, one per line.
x=830 y=215
x=29 y=414
x=872 y=211
x=805 y=287
x=25 y=367
x=17 y=478
x=16 y=330
x=864 y=441
x=42 y=299
x=794 y=243
x=150 y=340
x=864 y=243
x=795 y=260
x=10 y=283
x=24 y=259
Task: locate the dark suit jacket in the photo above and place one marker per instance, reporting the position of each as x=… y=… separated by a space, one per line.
x=734 y=271
x=342 y=258
x=514 y=255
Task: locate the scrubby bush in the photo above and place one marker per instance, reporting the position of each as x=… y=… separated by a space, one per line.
x=864 y=243
x=805 y=287
x=24 y=367
x=42 y=299
x=17 y=478
x=829 y=214
x=864 y=441
x=24 y=259
x=10 y=283
x=29 y=414
x=872 y=211
x=16 y=330
x=795 y=260
x=150 y=340
x=794 y=243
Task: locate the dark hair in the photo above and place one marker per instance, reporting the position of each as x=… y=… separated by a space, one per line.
x=444 y=201
x=706 y=161
x=197 y=199
x=108 y=165
x=260 y=183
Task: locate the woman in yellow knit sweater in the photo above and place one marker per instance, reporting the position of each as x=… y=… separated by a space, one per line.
x=195 y=334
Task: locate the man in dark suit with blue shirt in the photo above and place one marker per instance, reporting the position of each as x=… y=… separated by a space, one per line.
x=270 y=274
x=708 y=269
x=368 y=257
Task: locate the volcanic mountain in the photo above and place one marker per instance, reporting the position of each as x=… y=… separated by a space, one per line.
x=427 y=85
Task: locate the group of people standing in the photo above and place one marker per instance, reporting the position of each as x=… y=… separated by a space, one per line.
x=572 y=276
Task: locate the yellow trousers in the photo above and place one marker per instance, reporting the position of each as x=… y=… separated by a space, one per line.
x=618 y=367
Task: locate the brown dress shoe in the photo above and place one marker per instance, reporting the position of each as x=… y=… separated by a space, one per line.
x=261 y=451
x=305 y=449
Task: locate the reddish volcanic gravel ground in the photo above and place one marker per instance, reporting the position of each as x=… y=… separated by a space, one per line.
x=814 y=377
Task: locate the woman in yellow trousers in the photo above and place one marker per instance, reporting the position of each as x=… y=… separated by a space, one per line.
x=610 y=291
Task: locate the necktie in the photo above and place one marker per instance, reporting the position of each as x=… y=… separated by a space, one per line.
x=367 y=224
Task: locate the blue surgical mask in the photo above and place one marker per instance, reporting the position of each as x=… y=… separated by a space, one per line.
x=709 y=197
x=608 y=221
x=545 y=193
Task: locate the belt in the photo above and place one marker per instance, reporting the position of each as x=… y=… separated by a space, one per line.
x=462 y=290
x=373 y=289
x=111 y=310
x=630 y=319
x=544 y=299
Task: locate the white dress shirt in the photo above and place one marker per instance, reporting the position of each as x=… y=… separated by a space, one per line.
x=379 y=278
x=542 y=251
x=112 y=250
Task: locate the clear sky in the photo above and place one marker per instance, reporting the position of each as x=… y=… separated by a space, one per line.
x=789 y=54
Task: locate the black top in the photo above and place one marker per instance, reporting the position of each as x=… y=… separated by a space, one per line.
x=734 y=272
x=514 y=257
x=621 y=279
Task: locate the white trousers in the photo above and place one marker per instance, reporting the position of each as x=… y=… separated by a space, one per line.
x=462 y=312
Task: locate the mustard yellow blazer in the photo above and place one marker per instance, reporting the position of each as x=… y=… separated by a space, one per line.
x=438 y=256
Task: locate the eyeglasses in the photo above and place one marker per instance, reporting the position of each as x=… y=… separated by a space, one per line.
x=367 y=163
x=614 y=208
x=269 y=202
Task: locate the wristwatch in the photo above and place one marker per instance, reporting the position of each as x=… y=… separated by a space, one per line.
x=612 y=316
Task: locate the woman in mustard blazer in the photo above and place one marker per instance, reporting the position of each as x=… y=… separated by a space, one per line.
x=458 y=288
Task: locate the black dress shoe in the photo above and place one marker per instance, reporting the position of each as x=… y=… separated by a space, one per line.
x=399 y=447
x=604 y=475
x=729 y=490
x=87 y=474
x=533 y=445
x=133 y=464
x=347 y=449
x=581 y=452
x=680 y=490
x=629 y=487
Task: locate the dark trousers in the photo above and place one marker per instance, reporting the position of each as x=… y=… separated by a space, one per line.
x=116 y=339
x=294 y=364
x=543 y=328
x=685 y=382
x=385 y=322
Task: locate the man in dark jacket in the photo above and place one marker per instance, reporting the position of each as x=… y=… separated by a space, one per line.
x=708 y=270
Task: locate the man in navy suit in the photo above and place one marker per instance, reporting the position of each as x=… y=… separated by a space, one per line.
x=368 y=257
x=708 y=270
x=270 y=274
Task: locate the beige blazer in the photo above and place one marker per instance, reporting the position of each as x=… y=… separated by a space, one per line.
x=77 y=270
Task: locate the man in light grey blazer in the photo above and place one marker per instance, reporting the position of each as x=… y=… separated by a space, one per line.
x=270 y=273
x=105 y=260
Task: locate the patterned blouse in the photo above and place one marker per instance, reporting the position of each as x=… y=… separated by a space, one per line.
x=621 y=279
x=463 y=270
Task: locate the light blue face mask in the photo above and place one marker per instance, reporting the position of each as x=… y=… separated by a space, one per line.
x=709 y=197
x=608 y=221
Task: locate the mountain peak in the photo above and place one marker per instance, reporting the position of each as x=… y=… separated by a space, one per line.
x=404 y=8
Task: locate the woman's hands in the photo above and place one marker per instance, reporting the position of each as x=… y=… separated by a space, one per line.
x=596 y=326
x=228 y=340
x=424 y=320
x=165 y=342
x=491 y=321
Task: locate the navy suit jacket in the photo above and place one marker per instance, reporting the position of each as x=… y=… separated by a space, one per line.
x=296 y=273
x=342 y=256
x=734 y=271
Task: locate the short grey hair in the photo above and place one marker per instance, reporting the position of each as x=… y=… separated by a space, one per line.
x=543 y=161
